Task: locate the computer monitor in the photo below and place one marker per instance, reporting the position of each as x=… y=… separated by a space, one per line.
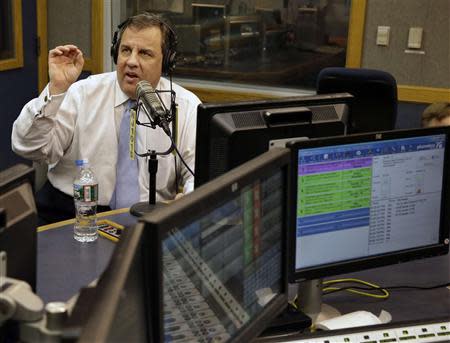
x=209 y=268
x=229 y=134
x=367 y=200
x=18 y=227
x=218 y=254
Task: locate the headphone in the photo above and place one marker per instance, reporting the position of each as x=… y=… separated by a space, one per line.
x=170 y=41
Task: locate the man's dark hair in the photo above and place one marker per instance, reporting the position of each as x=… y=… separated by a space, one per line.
x=436 y=111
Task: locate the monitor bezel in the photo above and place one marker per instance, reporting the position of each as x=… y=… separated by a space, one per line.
x=18 y=238
x=203 y=199
x=362 y=263
x=103 y=301
x=207 y=111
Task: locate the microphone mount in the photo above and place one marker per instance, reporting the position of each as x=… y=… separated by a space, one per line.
x=141 y=208
x=150 y=101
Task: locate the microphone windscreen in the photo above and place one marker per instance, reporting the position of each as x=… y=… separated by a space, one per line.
x=152 y=104
x=143 y=87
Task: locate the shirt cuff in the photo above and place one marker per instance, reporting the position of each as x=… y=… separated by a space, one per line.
x=48 y=104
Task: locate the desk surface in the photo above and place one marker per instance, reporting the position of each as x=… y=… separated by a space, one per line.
x=403 y=304
x=64 y=265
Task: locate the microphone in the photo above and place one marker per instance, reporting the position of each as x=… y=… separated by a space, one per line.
x=152 y=104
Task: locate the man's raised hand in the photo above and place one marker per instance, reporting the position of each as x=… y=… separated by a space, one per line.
x=65 y=63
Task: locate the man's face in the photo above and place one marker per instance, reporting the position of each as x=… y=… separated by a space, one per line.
x=139 y=58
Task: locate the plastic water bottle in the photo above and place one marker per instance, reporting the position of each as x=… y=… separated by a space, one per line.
x=85 y=195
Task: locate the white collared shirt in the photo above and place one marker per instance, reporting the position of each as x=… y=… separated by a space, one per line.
x=84 y=123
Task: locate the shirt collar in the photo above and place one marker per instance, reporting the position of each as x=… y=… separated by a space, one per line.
x=120 y=96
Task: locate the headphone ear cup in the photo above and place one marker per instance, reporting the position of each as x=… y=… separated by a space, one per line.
x=114 y=53
x=168 y=61
x=171 y=53
x=171 y=61
x=165 y=65
x=114 y=46
x=116 y=39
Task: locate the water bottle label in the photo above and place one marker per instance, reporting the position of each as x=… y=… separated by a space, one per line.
x=86 y=193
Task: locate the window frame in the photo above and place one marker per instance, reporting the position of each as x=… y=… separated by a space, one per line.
x=17 y=60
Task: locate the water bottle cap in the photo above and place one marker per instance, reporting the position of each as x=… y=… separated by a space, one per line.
x=81 y=162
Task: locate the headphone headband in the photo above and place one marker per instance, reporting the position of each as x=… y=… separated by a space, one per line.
x=169 y=37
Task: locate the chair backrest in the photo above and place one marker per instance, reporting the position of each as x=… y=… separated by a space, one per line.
x=375 y=104
x=41 y=169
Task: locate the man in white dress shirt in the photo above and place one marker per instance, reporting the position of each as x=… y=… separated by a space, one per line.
x=74 y=119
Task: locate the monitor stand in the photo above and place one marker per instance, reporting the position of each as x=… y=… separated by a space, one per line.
x=289 y=321
x=311 y=310
x=309 y=300
x=141 y=208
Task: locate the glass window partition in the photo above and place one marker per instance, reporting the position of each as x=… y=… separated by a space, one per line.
x=275 y=43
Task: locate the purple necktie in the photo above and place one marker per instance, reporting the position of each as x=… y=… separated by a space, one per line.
x=126 y=192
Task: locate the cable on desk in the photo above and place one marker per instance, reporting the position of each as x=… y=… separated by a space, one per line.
x=382 y=289
x=365 y=291
x=293 y=303
x=423 y=288
x=352 y=289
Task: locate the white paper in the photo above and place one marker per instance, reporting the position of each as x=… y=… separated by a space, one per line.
x=354 y=319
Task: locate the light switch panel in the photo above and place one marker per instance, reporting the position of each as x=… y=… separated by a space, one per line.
x=383 y=35
x=415 y=37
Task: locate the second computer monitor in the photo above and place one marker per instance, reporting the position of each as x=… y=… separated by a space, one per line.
x=363 y=201
x=229 y=134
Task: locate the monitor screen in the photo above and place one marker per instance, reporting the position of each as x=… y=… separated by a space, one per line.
x=232 y=133
x=18 y=234
x=219 y=255
x=368 y=200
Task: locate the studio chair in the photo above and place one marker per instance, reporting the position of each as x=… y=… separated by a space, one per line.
x=40 y=169
x=374 y=107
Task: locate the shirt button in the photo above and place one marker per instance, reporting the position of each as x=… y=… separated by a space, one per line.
x=46 y=99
